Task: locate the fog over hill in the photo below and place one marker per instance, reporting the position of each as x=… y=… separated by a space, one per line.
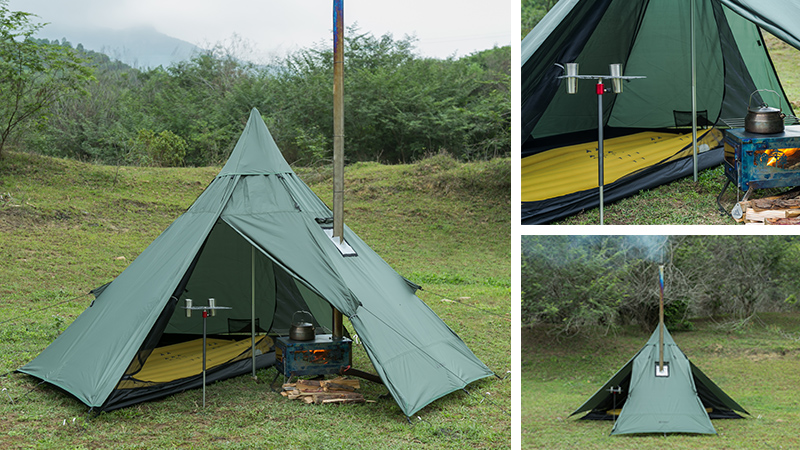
x=141 y=47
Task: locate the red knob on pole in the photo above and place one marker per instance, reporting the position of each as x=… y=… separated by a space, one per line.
x=205 y=314
x=600 y=88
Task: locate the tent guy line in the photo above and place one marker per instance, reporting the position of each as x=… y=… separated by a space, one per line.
x=43 y=309
x=504 y=317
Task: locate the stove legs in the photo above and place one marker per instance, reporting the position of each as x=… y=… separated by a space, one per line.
x=722 y=210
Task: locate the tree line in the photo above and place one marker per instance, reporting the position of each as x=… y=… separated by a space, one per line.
x=577 y=283
x=534 y=11
x=399 y=106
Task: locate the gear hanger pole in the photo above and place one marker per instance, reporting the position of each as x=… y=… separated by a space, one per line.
x=661 y=320
x=616 y=77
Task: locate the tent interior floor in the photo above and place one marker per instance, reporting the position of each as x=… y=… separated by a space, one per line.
x=573 y=168
x=185 y=359
x=613 y=414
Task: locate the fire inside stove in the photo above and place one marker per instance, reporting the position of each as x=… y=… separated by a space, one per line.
x=781 y=158
x=320 y=356
x=314 y=356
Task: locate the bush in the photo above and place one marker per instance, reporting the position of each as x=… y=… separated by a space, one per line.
x=584 y=281
x=165 y=149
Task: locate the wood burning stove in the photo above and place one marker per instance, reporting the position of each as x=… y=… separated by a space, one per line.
x=757 y=161
x=321 y=356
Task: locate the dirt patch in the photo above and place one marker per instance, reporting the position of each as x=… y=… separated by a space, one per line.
x=14 y=217
x=130 y=205
x=757 y=355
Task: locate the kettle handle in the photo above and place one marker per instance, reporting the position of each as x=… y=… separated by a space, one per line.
x=303 y=311
x=780 y=107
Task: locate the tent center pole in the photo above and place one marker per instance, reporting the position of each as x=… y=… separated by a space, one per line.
x=253 y=308
x=600 y=88
x=338 y=138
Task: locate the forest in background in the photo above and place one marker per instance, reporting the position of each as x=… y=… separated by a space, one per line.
x=579 y=282
x=532 y=12
x=399 y=107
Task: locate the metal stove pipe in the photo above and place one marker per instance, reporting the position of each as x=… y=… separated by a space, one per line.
x=338 y=138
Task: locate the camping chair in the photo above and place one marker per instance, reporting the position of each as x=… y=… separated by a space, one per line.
x=684 y=119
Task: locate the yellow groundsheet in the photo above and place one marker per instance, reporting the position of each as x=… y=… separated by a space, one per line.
x=566 y=170
x=177 y=361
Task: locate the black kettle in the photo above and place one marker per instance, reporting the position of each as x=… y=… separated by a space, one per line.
x=302 y=331
x=763 y=119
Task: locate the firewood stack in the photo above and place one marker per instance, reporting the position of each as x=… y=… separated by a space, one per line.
x=338 y=390
x=779 y=210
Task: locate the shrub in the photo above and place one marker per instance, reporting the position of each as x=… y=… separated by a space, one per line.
x=165 y=149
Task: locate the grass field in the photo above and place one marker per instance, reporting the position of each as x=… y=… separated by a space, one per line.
x=67 y=227
x=756 y=365
x=684 y=202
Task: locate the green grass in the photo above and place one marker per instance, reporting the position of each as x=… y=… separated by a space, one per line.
x=65 y=225
x=684 y=202
x=786 y=60
x=755 y=365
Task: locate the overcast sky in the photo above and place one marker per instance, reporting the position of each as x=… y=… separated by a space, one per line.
x=443 y=27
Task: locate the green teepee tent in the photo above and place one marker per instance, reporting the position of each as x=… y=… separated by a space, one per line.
x=257 y=240
x=679 y=398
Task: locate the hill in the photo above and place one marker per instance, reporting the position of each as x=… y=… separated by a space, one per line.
x=140 y=47
x=67 y=227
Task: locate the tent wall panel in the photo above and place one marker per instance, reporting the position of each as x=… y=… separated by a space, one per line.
x=122 y=316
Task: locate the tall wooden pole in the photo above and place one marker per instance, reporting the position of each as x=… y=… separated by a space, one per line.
x=661 y=320
x=338 y=138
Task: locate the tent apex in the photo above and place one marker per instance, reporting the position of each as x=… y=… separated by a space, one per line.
x=256 y=151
